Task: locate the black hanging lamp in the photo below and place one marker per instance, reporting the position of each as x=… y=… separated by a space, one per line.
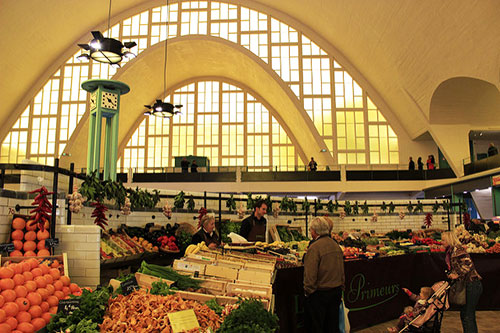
x=105 y=49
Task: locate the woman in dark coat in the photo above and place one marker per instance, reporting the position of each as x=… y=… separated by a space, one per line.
x=207 y=232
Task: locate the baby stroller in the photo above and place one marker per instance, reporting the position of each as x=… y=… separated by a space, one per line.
x=429 y=319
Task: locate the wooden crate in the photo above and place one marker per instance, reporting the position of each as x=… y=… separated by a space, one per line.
x=212 y=286
x=249 y=290
x=223 y=300
x=260 y=266
x=146 y=281
x=274 y=231
x=199 y=258
x=221 y=271
x=186 y=266
x=62 y=258
x=202 y=298
x=255 y=276
x=230 y=263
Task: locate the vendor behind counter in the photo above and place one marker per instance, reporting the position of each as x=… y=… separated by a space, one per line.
x=253 y=228
x=207 y=232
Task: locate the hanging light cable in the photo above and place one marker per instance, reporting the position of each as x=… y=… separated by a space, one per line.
x=161 y=108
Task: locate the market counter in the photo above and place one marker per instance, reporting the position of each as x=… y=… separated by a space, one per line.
x=373 y=291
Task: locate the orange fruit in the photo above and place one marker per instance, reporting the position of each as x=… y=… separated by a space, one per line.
x=21 y=291
x=42 y=234
x=45 y=269
x=43 y=292
x=65 y=280
x=50 y=289
x=18 y=223
x=26 y=327
x=59 y=294
x=40 y=282
x=28 y=276
x=34 y=298
x=6 y=272
x=47 y=316
x=6 y=284
x=58 y=285
x=30 y=236
x=2 y=316
x=26 y=266
x=17 y=235
x=29 y=254
x=43 y=253
x=35 y=311
x=23 y=304
x=48 y=279
x=2 y=301
x=38 y=323
x=17 y=268
x=54 y=272
x=30 y=286
x=53 y=301
x=9 y=295
x=18 y=279
x=74 y=287
x=5 y=328
x=33 y=262
x=11 y=309
x=36 y=272
x=16 y=253
x=18 y=245
x=31 y=225
x=41 y=245
x=66 y=291
x=12 y=322
x=53 y=310
x=23 y=317
x=45 y=306
x=55 y=264
x=29 y=246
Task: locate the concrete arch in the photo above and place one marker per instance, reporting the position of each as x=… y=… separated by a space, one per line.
x=220 y=58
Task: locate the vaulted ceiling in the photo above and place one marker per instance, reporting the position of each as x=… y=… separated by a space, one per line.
x=427 y=61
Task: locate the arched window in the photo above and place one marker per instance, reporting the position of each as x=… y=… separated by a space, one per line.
x=227 y=124
x=337 y=105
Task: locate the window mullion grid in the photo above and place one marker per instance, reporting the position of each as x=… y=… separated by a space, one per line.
x=195 y=124
x=220 y=124
x=367 y=138
x=334 y=113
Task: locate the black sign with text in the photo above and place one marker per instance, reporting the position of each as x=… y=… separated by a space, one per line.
x=9 y=247
x=67 y=306
x=52 y=242
x=129 y=286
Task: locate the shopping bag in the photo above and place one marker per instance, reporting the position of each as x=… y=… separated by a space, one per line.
x=343 y=319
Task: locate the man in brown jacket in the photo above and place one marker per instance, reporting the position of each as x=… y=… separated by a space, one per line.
x=323 y=279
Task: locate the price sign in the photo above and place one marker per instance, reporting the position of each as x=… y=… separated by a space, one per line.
x=52 y=242
x=67 y=306
x=183 y=320
x=129 y=286
x=9 y=247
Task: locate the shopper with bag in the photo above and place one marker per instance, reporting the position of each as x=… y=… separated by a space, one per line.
x=323 y=279
x=466 y=285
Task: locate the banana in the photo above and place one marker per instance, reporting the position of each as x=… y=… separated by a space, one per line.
x=196 y=250
x=190 y=248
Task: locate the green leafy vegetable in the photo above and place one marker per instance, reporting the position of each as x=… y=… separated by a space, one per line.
x=251 y=317
x=212 y=304
x=161 y=288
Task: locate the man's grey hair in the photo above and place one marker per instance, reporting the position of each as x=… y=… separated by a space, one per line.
x=321 y=226
x=207 y=218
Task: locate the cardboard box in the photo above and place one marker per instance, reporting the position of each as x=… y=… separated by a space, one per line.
x=221 y=271
x=191 y=267
x=255 y=276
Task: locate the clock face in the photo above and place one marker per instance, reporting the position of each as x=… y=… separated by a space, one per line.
x=109 y=100
x=93 y=100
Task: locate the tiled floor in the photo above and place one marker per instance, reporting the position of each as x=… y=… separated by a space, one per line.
x=487 y=322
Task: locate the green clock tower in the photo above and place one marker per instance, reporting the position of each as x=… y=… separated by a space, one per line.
x=104 y=102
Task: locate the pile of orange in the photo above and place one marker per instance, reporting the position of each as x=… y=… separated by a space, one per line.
x=28 y=239
x=30 y=293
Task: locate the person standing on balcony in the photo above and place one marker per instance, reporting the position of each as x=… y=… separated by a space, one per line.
x=194 y=166
x=184 y=165
x=430 y=164
x=313 y=166
x=411 y=164
x=253 y=228
x=420 y=164
x=492 y=150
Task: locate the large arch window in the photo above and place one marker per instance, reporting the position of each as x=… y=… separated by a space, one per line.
x=337 y=105
x=227 y=124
